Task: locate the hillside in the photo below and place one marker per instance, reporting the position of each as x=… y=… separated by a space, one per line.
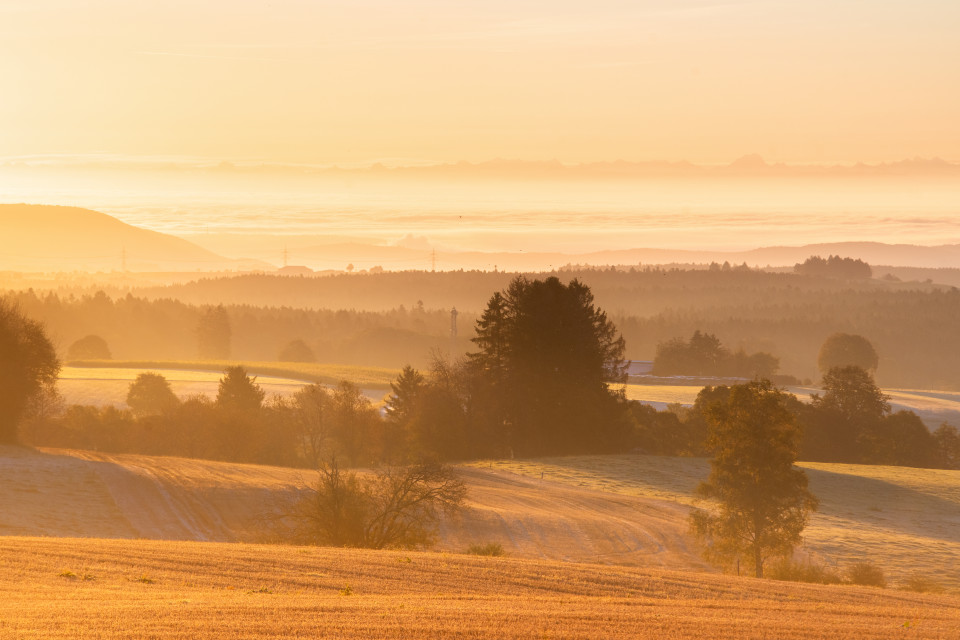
x=87 y=494
x=53 y=238
x=629 y=509
x=903 y=519
x=106 y=589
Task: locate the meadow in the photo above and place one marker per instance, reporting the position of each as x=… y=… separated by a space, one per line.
x=98 y=588
x=107 y=381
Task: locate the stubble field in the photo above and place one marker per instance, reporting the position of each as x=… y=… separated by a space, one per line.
x=83 y=588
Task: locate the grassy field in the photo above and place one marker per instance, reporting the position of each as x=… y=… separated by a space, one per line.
x=88 y=588
x=900 y=518
x=107 y=381
x=367 y=377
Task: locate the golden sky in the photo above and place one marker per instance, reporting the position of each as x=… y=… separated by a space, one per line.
x=354 y=81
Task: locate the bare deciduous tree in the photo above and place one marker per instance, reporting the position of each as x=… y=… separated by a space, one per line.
x=397 y=506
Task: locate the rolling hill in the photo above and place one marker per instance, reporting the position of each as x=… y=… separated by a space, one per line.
x=53 y=238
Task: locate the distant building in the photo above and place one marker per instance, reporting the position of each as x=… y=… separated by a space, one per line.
x=639 y=367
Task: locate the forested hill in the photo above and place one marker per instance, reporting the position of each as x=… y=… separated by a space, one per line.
x=912 y=326
x=641 y=291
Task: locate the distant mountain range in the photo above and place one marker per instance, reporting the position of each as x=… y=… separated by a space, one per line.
x=751 y=165
x=51 y=238
x=41 y=238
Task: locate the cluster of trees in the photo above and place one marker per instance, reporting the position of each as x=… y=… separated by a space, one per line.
x=238 y=425
x=703 y=355
x=538 y=384
x=131 y=328
x=785 y=314
x=834 y=267
x=851 y=421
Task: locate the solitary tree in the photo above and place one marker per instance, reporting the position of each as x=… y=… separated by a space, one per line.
x=91 y=347
x=297 y=351
x=150 y=395
x=762 y=500
x=28 y=364
x=238 y=392
x=847 y=349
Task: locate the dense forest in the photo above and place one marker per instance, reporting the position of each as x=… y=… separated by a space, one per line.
x=395 y=318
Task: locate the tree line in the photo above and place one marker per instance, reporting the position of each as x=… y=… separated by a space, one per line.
x=392 y=319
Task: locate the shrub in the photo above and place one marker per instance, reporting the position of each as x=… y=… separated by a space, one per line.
x=866 y=574
x=489 y=549
x=922 y=584
x=394 y=507
x=803 y=571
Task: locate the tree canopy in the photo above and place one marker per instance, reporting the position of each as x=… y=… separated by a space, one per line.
x=150 y=394
x=91 y=347
x=762 y=500
x=28 y=364
x=846 y=349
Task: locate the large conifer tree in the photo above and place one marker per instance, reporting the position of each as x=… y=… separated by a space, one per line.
x=550 y=354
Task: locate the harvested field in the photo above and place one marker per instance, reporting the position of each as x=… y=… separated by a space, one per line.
x=73 y=588
x=903 y=519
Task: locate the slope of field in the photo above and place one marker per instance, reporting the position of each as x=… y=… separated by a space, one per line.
x=905 y=520
x=77 y=493
x=70 y=588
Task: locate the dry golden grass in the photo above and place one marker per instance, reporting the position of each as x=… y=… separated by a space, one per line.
x=82 y=588
x=903 y=519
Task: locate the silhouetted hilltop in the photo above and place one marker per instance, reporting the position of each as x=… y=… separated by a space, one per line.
x=53 y=238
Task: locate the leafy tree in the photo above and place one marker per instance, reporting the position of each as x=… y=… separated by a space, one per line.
x=213 y=334
x=297 y=351
x=356 y=424
x=28 y=365
x=238 y=393
x=844 y=417
x=394 y=507
x=551 y=354
x=947 y=440
x=704 y=355
x=846 y=349
x=150 y=395
x=311 y=409
x=91 y=347
x=762 y=499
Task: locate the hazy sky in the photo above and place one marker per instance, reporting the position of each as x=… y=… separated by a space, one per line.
x=438 y=80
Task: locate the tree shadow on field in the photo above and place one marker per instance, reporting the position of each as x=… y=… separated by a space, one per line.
x=885 y=505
